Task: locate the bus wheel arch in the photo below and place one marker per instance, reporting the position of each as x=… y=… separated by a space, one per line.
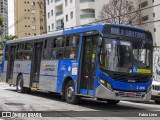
x=68 y=91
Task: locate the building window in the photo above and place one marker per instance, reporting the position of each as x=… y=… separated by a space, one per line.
x=33 y=3
x=153 y=14
x=28 y=33
x=70 y=1
x=71 y=15
x=49 y=28
x=154 y=29
x=28 y=25
x=52 y=26
x=153 y=1
x=41 y=27
x=52 y=12
x=34 y=34
x=144 y=4
x=145 y=18
x=33 y=19
x=66 y=18
x=48 y=15
x=66 y=2
x=48 y=2
x=41 y=20
x=33 y=27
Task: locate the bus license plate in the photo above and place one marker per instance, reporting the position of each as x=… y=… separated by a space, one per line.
x=130 y=94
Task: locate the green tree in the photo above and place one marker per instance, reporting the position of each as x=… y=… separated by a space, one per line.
x=10 y=37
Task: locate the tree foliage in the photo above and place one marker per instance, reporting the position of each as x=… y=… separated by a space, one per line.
x=10 y=37
x=120 y=12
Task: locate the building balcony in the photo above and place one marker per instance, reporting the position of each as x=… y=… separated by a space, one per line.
x=83 y=1
x=59 y=27
x=87 y=4
x=86 y=21
x=87 y=15
x=58 y=2
x=59 y=13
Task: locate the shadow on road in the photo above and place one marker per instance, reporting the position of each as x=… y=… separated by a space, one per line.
x=90 y=103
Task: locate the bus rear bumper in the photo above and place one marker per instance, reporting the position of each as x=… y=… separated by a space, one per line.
x=104 y=93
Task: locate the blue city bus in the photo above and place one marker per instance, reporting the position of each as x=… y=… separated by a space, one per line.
x=108 y=62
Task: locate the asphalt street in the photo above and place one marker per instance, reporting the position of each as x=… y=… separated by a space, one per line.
x=51 y=106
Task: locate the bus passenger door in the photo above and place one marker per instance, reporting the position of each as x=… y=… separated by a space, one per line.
x=36 y=63
x=10 y=65
x=88 y=65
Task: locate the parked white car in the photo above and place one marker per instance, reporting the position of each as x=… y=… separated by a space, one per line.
x=156 y=92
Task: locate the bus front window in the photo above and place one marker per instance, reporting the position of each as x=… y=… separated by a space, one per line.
x=124 y=56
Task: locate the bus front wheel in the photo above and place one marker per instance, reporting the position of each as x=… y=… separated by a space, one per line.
x=70 y=96
x=113 y=102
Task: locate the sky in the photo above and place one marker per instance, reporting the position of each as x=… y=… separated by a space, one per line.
x=11 y=16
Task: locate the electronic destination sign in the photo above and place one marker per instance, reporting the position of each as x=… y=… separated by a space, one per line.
x=127 y=32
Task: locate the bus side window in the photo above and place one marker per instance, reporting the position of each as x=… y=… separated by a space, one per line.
x=72 y=45
x=59 y=47
x=47 y=53
x=20 y=51
x=28 y=51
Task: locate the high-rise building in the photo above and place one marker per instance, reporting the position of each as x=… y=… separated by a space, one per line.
x=29 y=18
x=4 y=14
x=150 y=13
x=71 y=12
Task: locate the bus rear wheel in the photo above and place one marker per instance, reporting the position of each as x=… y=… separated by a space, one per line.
x=70 y=96
x=113 y=102
x=20 y=87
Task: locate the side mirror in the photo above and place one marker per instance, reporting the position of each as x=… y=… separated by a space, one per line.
x=99 y=41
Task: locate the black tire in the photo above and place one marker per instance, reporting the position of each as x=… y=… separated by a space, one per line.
x=19 y=86
x=157 y=101
x=113 y=102
x=70 y=97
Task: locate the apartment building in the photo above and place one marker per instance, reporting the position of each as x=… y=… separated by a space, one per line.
x=71 y=12
x=29 y=18
x=4 y=14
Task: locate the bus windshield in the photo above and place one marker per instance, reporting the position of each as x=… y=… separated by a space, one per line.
x=125 y=56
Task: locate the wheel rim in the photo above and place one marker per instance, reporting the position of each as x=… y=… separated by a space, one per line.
x=19 y=84
x=70 y=92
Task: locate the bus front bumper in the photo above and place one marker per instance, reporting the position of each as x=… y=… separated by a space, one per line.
x=104 y=93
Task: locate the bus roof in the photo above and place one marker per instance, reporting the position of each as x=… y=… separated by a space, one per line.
x=98 y=27
x=56 y=33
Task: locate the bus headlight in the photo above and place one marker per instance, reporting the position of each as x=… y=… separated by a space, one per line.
x=149 y=88
x=105 y=83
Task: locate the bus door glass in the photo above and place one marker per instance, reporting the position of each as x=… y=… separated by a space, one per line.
x=36 y=62
x=11 y=63
x=89 y=63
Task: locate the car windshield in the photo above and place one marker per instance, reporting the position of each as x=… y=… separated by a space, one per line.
x=124 y=56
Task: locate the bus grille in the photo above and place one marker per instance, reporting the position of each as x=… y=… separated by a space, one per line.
x=130 y=78
x=156 y=87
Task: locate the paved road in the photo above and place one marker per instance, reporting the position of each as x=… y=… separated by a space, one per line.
x=10 y=100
